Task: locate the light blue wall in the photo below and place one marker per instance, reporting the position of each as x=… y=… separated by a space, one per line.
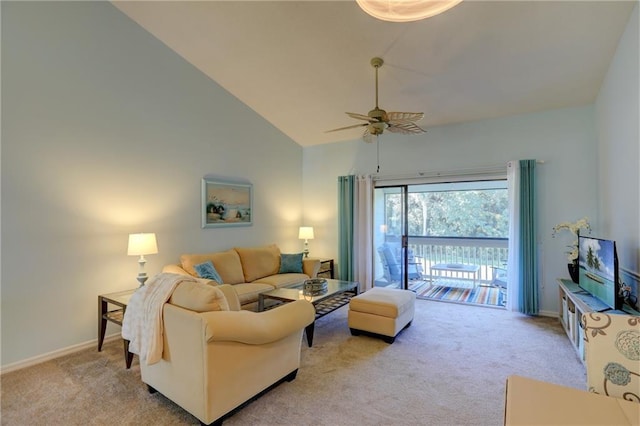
x=618 y=122
x=106 y=131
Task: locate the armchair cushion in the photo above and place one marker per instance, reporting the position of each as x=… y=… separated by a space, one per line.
x=612 y=344
x=199 y=297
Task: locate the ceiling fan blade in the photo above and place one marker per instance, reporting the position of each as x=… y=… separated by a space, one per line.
x=405 y=116
x=405 y=127
x=359 y=116
x=347 y=127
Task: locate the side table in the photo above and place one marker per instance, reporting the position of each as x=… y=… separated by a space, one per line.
x=121 y=300
x=326 y=269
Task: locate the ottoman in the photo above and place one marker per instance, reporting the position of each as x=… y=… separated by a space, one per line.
x=382 y=312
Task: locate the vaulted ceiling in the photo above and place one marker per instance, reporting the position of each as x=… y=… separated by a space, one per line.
x=302 y=64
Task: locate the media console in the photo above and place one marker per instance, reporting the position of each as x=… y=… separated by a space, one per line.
x=574 y=302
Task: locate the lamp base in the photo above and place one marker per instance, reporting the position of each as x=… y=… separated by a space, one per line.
x=142 y=275
x=142 y=278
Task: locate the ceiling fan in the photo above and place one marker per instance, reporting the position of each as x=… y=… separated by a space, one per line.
x=379 y=120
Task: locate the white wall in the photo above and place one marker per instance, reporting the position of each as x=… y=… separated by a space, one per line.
x=618 y=121
x=105 y=131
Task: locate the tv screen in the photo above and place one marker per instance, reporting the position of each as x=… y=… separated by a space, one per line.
x=598 y=269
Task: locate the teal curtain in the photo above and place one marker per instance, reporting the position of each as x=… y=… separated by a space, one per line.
x=346 y=220
x=528 y=256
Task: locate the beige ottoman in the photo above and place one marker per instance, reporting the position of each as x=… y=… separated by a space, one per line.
x=383 y=312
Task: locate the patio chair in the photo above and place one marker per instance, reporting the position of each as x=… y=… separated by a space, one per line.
x=499 y=280
x=392 y=263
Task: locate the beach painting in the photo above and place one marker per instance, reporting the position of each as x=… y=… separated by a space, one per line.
x=226 y=203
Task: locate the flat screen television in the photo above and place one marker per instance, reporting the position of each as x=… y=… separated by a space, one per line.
x=598 y=269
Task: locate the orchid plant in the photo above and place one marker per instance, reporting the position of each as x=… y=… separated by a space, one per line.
x=574 y=228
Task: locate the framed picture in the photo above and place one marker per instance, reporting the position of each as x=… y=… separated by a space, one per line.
x=226 y=203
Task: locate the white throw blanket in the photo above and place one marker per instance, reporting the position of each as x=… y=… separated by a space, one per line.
x=142 y=324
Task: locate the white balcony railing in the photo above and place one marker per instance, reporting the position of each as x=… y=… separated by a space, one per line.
x=487 y=253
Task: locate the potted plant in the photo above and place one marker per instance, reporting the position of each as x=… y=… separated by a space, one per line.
x=572 y=254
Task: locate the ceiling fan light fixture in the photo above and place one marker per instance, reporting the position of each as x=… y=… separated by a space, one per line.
x=379 y=120
x=377 y=128
x=405 y=10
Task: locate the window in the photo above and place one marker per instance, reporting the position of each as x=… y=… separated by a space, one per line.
x=478 y=209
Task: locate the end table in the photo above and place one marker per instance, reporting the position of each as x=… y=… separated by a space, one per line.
x=326 y=269
x=121 y=300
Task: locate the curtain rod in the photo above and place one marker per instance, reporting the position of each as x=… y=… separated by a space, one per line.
x=487 y=170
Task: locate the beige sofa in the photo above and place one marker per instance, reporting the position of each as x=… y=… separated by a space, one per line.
x=250 y=270
x=217 y=356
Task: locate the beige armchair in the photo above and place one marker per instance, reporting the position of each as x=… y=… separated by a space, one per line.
x=215 y=361
x=612 y=354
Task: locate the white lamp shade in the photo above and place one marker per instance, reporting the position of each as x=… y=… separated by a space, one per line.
x=405 y=10
x=305 y=233
x=141 y=244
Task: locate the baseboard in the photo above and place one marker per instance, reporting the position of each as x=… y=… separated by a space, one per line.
x=55 y=354
x=548 y=314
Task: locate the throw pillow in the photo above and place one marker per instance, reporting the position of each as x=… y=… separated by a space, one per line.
x=291 y=263
x=207 y=270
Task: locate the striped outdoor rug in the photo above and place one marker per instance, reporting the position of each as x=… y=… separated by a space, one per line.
x=478 y=296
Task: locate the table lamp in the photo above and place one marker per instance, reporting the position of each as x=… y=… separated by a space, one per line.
x=306 y=234
x=139 y=245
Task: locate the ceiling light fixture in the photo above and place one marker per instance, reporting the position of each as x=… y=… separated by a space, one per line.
x=405 y=10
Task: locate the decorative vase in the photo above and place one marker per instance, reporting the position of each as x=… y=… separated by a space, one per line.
x=573 y=271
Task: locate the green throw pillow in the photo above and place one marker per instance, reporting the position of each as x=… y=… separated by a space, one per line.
x=291 y=263
x=207 y=270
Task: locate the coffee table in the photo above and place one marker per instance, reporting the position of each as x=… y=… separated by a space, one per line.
x=455 y=269
x=338 y=294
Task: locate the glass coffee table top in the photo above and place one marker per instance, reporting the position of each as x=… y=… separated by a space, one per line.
x=295 y=292
x=337 y=295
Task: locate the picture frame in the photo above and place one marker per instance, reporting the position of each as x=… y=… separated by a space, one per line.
x=226 y=203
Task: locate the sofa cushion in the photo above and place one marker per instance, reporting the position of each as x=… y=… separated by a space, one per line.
x=258 y=262
x=199 y=297
x=282 y=280
x=291 y=263
x=248 y=292
x=227 y=263
x=207 y=270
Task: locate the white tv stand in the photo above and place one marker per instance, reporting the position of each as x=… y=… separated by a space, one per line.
x=570 y=312
x=573 y=303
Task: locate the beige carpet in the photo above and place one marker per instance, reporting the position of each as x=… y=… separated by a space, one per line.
x=448 y=368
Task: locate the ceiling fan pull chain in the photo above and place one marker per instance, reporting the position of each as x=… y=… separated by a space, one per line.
x=378 y=152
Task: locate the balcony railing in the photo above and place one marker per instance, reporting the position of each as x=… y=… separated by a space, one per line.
x=487 y=253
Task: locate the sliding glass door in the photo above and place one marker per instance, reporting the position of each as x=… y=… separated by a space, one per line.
x=442 y=238
x=390 y=237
